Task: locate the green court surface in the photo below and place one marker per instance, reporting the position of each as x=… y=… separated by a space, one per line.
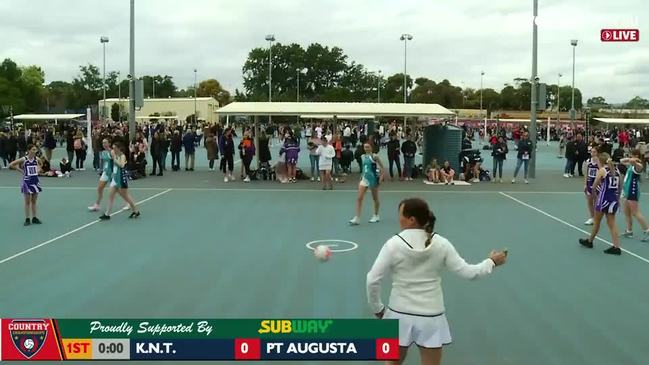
x=203 y=248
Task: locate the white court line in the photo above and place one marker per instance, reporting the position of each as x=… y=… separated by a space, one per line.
x=571 y=226
x=75 y=230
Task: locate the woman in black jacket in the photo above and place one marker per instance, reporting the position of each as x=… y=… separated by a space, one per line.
x=393 y=155
x=264 y=149
x=175 y=148
x=409 y=149
x=499 y=153
x=155 y=150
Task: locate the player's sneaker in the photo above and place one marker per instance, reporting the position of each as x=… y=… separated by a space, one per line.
x=375 y=218
x=613 y=251
x=627 y=234
x=645 y=236
x=93 y=208
x=246 y=179
x=589 y=222
x=526 y=181
x=355 y=221
x=225 y=179
x=586 y=242
x=514 y=181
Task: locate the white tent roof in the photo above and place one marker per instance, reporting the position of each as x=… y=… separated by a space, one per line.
x=47 y=116
x=622 y=121
x=324 y=116
x=517 y=121
x=347 y=109
x=158 y=117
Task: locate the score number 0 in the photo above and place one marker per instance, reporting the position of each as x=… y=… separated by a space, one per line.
x=387 y=349
x=247 y=349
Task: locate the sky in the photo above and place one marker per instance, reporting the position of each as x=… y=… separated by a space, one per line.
x=453 y=40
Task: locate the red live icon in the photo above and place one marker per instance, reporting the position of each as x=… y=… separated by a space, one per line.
x=620 y=35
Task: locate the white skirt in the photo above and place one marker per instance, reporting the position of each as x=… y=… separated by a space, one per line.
x=427 y=332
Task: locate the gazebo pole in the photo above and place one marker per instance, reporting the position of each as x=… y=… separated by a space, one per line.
x=257 y=141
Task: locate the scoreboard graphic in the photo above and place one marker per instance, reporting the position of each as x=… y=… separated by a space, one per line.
x=198 y=339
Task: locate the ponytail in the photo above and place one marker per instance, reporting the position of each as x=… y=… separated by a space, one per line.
x=429 y=227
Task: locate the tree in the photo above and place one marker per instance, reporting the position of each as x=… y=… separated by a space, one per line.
x=32 y=79
x=393 y=88
x=596 y=103
x=637 y=103
x=114 y=112
x=325 y=69
x=508 y=98
x=59 y=95
x=490 y=100
x=87 y=87
x=213 y=88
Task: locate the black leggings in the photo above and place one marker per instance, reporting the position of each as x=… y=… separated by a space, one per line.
x=396 y=161
x=175 y=159
x=211 y=164
x=81 y=158
x=227 y=162
x=247 y=160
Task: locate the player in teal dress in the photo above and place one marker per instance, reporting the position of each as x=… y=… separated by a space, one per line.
x=631 y=195
x=106 y=173
x=119 y=183
x=371 y=177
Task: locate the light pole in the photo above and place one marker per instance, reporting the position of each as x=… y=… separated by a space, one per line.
x=573 y=112
x=103 y=41
x=195 y=108
x=481 y=77
x=153 y=83
x=559 y=100
x=485 y=119
x=378 y=88
x=405 y=38
x=119 y=96
x=270 y=38
x=534 y=99
x=131 y=84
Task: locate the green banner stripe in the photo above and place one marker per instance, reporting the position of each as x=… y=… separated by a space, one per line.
x=229 y=328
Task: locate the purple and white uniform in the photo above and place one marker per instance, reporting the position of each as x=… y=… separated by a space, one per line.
x=591 y=171
x=31 y=184
x=607 y=200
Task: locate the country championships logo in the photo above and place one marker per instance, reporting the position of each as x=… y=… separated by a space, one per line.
x=28 y=336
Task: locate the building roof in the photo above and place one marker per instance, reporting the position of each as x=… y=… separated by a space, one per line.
x=149 y=117
x=331 y=116
x=346 y=109
x=47 y=116
x=115 y=100
x=622 y=121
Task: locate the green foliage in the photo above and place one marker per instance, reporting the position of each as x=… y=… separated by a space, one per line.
x=114 y=112
x=638 y=103
x=213 y=88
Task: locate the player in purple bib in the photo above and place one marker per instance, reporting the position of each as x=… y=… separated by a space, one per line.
x=29 y=167
x=607 y=184
x=591 y=172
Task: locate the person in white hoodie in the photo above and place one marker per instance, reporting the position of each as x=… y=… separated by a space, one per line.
x=415 y=259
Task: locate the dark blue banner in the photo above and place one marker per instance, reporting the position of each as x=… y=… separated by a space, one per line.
x=318 y=350
x=182 y=349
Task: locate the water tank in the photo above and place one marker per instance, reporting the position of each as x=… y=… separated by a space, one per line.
x=442 y=142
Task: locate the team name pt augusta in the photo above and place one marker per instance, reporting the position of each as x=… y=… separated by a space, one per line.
x=309 y=326
x=299 y=347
